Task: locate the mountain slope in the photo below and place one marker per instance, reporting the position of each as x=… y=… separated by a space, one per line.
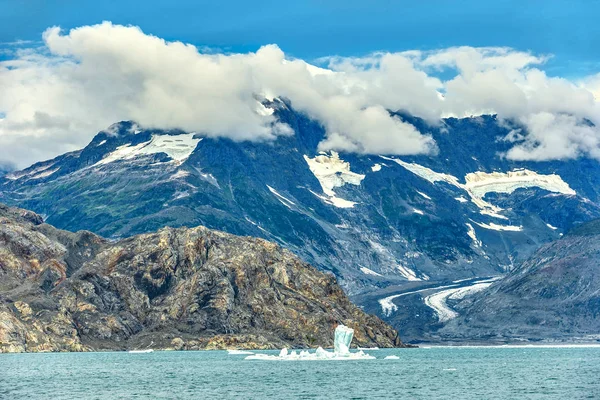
x=176 y=288
x=378 y=223
x=554 y=295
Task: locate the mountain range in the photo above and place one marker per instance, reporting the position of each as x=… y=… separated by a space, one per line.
x=384 y=225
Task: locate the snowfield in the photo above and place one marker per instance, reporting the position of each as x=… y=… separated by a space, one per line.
x=332 y=172
x=178 y=148
x=478 y=184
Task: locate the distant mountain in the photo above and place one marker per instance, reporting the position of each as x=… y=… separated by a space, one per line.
x=5 y=169
x=176 y=288
x=380 y=223
x=554 y=295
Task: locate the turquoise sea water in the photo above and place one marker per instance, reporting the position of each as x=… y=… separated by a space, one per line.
x=425 y=373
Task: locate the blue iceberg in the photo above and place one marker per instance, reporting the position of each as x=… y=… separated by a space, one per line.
x=341 y=350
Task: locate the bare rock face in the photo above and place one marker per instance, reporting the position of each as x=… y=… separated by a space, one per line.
x=554 y=296
x=176 y=288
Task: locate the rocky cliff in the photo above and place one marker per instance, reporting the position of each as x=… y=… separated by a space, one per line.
x=553 y=296
x=176 y=288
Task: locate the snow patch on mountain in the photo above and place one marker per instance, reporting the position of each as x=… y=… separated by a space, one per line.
x=497 y=227
x=180 y=174
x=282 y=199
x=45 y=173
x=178 y=148
x=115 y=128
x=334 y=201
x=35 y=173
x=408 y=273
x=426 y=173
x=480 y=183
x=368 y=271
x=264 y=111
x=424 y=195
x=472 y=235
x=332 y=172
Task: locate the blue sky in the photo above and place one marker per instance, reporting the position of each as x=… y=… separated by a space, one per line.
x=312 y=29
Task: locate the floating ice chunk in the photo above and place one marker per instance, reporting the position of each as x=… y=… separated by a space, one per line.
x=376 y=167
x=238 y=352
x=416 y=211
x=551 y=227
x=342 y=339
x=391 y=358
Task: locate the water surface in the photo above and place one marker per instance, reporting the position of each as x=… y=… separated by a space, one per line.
x=425 y=373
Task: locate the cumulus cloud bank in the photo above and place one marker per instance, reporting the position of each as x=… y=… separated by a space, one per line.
x=55 y=97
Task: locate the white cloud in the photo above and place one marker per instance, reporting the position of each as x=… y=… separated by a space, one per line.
x=55 y=97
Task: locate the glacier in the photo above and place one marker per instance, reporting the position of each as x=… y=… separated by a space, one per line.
x=478 y=184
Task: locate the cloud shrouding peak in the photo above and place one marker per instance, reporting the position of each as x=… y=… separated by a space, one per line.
x=56 y=96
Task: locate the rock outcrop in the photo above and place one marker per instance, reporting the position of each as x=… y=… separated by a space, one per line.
x=176 y=288
x=553 y=296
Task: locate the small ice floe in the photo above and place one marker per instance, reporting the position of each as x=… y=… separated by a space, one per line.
x=238 y=352
x=342 y=340
x=141 y=351
x=391 y=358
x=449 y=369
x=368 y=348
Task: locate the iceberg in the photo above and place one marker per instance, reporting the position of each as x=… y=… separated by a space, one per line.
x=235 y=352
x=341 y=350
x=342 y=339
